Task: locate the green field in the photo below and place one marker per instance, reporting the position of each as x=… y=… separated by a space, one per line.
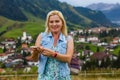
x=97 y=74
x=29 y=27
x=74 y=77
x=15 y=28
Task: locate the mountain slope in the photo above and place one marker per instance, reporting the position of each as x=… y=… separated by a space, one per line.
x=40 y=8
x=13 y=29
x=24 y=10
x=96 y=16
x=101 y=6
x=112 y=11
x=9 y=10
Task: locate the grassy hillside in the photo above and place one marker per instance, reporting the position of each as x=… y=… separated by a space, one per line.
x=26 y=10
x=31 y=28
x=116 y=50
x=91 y=47
x=15 y=28
x=4 y=23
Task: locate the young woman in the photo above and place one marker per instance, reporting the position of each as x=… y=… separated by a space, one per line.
x=55 y=49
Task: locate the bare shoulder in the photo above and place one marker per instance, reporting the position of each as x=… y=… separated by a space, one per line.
x=70 y=38
x=40 y=35
x=38 y=39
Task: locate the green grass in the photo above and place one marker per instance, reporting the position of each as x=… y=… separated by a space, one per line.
x=4 y=22
x=97 y=74
x=32 y=28
x=1 y=51
x=116 y=50
x=91 y=46
x=74 y=77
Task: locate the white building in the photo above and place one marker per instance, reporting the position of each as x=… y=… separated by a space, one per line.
x=92 y=39
x=3 y=57
x=26 y=38
x=81 y=39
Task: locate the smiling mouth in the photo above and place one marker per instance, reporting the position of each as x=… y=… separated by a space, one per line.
x=55 y=27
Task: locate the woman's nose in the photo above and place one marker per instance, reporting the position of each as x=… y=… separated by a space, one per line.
x=54 y=23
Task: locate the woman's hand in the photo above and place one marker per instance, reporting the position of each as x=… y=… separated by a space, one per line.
x=37 y=49
x=48 y=52
x=35 y=53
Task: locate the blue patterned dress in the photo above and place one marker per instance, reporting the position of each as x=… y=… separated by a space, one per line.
x=52 y=71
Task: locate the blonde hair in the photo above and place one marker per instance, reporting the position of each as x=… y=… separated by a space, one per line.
x=56 y=12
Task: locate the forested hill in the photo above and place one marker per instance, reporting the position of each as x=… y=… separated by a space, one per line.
x=112 y=11
x=22 y=10
x=96 y=16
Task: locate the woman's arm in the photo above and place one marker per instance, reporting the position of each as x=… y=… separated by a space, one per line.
x=62 y=57
x=37 y=43
x=70 y=49
x=36 y=49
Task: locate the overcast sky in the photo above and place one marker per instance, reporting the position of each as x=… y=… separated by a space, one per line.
x=87 y=2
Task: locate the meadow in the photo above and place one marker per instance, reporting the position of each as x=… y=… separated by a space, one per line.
x=104 y=74
x=74 y=77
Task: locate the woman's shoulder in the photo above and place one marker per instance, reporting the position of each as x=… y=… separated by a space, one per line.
x=42 y=34
x=69 y=37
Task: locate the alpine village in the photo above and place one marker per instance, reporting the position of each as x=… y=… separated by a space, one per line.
x=96 y=34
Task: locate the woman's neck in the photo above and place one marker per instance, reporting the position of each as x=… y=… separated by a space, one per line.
x=56 y=37
x=56 y=34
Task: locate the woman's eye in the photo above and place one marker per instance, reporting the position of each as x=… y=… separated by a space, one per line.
x=51 y=21
x=57 y=21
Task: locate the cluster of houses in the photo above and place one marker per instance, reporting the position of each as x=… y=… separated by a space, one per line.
x=13 y=58
x=87 y=57
x=16 y=58
x=95 y=39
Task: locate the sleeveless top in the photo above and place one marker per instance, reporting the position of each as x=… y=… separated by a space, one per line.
x=50 y=68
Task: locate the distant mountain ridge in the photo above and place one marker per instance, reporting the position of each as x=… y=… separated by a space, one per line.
x=96 y=16
x=112 y=11
x=23 y=9
x=101 y=6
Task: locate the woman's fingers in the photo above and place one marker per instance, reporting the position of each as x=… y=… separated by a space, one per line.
x=37 y=49
x=47 y=52
x=41 y=49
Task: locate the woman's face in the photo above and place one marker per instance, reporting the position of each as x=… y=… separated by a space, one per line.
x=55 y=24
